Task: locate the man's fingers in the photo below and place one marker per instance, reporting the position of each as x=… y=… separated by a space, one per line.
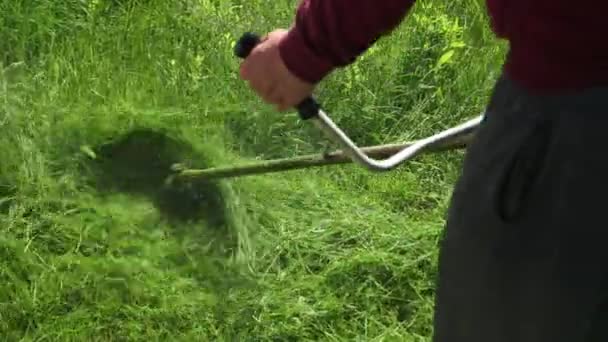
x=283 y=107
x=268 y=77
x=267 y=90
x=291 y=102
x=244 y=71
x=247 y=68
x=271 y=94
x=285 y=104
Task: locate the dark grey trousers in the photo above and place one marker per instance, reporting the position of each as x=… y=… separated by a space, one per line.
x=524 y=257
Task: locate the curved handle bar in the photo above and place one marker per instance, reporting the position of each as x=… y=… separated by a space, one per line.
x=309 y=109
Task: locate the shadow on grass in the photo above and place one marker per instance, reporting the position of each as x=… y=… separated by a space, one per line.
x=199 y=214
x=138 y=164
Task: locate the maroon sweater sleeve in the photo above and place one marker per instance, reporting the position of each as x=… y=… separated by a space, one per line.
x=328 y=34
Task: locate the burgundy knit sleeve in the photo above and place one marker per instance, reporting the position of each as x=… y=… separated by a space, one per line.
x=328 y=34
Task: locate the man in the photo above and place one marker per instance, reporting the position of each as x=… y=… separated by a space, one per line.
x=524 y=257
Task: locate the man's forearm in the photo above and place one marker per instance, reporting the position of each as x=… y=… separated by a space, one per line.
x=332 y=33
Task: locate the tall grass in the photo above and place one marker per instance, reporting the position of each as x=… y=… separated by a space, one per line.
x=325 y=254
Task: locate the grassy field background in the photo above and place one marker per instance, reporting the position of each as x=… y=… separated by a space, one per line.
x=96 y=250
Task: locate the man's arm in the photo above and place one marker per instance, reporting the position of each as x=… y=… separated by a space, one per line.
x=332 y=33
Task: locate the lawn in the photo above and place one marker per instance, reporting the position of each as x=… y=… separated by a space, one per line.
x=99 y=97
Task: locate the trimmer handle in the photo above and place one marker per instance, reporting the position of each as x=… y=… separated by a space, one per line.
x=308 y=108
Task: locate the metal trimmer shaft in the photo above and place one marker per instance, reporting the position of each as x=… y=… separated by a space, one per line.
x=454 y=138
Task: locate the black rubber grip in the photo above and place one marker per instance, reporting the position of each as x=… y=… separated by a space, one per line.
x=308 y=108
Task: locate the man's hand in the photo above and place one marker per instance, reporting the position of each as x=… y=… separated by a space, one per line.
x=269 y=77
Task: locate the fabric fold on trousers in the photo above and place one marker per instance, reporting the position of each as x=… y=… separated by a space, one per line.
x=525 y=253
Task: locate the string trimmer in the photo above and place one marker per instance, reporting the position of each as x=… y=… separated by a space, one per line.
x=309 y=110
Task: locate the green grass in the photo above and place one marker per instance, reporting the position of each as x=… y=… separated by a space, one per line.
x=94 y=250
